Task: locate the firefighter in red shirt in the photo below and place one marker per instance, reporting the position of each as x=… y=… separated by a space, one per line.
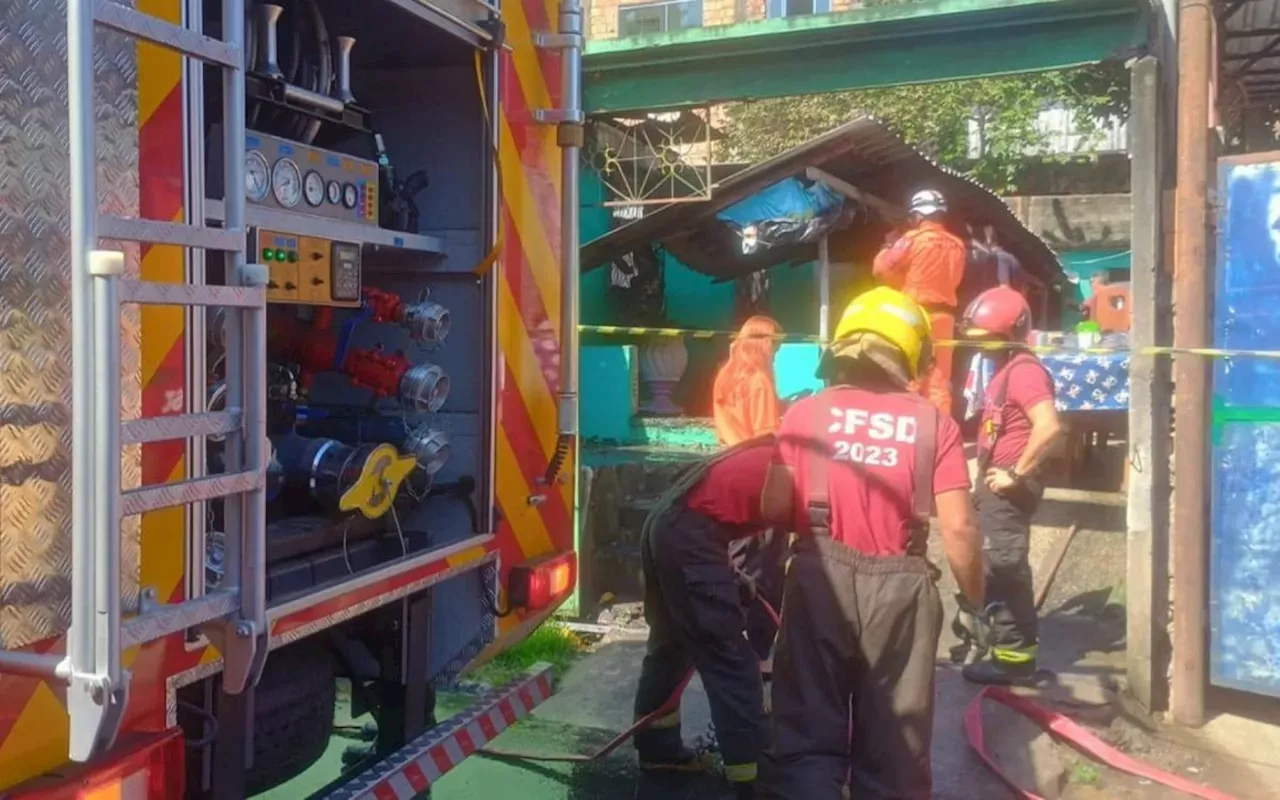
x=857 y=470
x=927 y=264
x=1020 y=429
x=694 y=606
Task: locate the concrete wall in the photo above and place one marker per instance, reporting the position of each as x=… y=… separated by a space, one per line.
x=1078 y=222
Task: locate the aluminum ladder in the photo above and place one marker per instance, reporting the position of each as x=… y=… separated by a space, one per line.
x=234 y=616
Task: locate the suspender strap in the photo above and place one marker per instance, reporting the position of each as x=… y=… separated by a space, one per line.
x=926 y=452
x=818 y=457
x=999 y=391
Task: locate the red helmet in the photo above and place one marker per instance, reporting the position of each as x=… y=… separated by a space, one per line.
x=1001 y=312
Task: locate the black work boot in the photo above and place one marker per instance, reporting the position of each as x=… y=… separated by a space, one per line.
x=683 y=760
x=995 y=671
x=664 y=750
x=743 y=791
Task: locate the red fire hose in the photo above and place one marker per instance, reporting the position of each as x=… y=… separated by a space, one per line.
x=1056 y=724
x=1062 y=727
x=672 y=703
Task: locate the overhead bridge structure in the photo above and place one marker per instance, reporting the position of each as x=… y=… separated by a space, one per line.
x=873 y=46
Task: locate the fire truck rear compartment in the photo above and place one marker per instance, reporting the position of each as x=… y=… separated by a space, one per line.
x=389 y=361
x=370 y=198
x=351 y=373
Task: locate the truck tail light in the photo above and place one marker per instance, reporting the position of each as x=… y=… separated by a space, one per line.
x=153 y=768
x=535 y=586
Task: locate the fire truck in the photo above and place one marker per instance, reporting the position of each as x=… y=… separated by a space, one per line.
x=288 y=383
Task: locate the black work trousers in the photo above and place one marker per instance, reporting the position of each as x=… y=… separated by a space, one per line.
x=696 y=619
x=854 y=675
x=761 y=559
x=1006 y=534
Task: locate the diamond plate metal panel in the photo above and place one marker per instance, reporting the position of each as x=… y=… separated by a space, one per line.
x=35 y=308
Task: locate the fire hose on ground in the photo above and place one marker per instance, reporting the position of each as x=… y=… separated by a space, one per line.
x=1054 y=723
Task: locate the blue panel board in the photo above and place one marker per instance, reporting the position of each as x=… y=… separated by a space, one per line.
x=1245 y=550
x=1244 y=606
x=1247 y=301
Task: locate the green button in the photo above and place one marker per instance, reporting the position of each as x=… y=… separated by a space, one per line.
x=268 y=254
x=293 y=256
x=279 y=255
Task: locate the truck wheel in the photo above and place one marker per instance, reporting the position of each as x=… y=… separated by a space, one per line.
x=293 y=714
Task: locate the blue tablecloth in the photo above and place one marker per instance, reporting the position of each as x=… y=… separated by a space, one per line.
x=1087 y=382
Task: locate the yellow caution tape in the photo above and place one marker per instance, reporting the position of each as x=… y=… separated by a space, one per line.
x=1210 y=352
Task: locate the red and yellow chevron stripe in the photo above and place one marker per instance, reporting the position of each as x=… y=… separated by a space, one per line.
x=529 y=299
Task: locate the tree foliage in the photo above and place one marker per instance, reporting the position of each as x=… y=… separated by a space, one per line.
x=935 y=117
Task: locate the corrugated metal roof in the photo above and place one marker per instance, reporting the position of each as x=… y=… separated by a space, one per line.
x=1250 y=46
x=864 y=153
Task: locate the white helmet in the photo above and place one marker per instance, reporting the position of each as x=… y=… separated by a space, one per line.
x=928 y=202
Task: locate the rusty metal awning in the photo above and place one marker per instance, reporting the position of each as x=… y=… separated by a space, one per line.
x=864 y=154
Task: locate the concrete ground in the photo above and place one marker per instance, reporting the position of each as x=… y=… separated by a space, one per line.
x=1081 y=651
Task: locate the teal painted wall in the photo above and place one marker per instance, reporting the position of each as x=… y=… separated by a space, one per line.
x=694 y=300
x=609 y=380
x=793 y=298
x=594 y=221
x=795 y=368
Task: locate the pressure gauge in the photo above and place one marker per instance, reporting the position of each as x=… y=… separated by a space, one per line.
x=313 y=188
x=350 y=195
x=286 y=182
x=334 y=192
x=257 y=176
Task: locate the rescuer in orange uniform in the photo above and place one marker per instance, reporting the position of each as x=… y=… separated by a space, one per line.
x=927 y=264
x=745 y=398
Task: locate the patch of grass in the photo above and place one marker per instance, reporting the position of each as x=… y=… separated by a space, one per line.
x=1084 y=774
x=552 y=643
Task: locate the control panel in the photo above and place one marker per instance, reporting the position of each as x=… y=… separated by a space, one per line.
x=295 y=177
x=307 y=269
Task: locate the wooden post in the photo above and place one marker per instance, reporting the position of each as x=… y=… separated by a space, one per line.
x=1190 y=251
x=1147 y=574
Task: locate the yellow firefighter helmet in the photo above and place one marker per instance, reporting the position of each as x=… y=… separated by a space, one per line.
x=891 y=316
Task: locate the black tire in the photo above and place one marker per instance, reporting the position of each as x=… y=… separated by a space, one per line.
x=293 y=715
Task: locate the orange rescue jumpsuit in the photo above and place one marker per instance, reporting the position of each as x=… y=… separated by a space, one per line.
x=927 y=265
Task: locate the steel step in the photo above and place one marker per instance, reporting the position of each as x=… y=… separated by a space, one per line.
x=186 y=294
x=150 y=498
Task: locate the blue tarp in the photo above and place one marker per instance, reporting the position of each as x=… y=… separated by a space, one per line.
x=786 y=199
